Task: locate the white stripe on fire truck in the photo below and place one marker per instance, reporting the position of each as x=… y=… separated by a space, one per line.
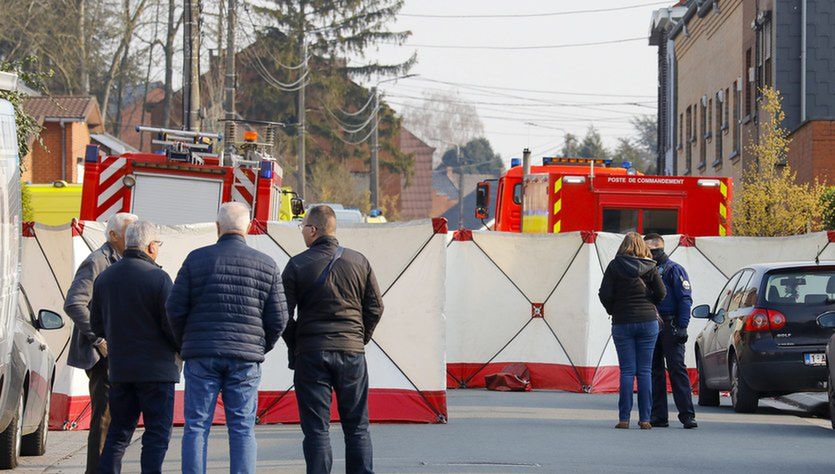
x=237 y=197
x=112 y=169
x=108 y=193
x=116 y=207
x=244 y=179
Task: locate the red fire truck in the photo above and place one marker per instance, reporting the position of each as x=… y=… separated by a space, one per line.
x=186 y=182
x=576 y=194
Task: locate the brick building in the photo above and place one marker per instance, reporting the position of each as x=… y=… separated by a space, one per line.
x=714 y=58
x=68 y=122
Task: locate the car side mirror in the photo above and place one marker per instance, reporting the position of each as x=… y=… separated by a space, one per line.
x=49 y=320
x=296 y=206
x=827 y=320
x=701 y=312
x=719 y=317
x=482 y=200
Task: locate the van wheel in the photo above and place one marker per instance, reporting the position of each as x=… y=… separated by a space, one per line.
x=35 y=444
x=10 y=439
x=744 y=398
x=707 y=396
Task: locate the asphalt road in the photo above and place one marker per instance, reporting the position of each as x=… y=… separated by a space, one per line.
x=531 y=433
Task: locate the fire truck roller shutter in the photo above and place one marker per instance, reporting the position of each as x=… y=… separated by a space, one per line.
x=170 y=200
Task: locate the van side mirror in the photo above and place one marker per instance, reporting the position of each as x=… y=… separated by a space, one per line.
x=296 y=206
x=827 y=320
x=482 y=200
x=719 y=317
x=49 y=320
x=701 y=312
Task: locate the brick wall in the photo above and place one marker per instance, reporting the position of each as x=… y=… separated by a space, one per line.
x=43 y=164
x=710 y=59
x=416 y=200
x=812 y=151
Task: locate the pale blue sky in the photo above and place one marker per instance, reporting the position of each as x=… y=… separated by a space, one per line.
x=627 y=69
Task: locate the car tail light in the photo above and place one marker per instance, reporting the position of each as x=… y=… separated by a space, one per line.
x=776 y=319
x=765 y=320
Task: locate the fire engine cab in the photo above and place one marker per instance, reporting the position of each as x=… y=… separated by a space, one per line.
x=577 y=194
x=186 y=182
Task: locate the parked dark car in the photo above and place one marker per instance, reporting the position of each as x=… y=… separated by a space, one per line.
x=763 y=338
x=26 y=386
x=827 y=321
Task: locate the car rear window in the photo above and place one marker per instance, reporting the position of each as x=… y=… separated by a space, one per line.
x=801 y=287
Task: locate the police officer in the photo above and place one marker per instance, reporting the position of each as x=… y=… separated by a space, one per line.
x=675 y=311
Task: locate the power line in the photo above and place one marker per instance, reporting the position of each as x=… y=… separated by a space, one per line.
x=537 y=103
x=523 y=118
x=535 y=91
x=536 y=15
x=520 y=48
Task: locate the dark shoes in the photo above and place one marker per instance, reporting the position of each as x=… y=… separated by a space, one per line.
x=688 y=424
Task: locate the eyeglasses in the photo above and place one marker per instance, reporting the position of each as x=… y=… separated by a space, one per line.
x=302 y=226
x=158 y=242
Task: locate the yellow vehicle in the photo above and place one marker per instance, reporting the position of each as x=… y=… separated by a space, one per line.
x=55 y=204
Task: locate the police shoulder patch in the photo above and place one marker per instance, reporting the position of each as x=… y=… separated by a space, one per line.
x=685 y=284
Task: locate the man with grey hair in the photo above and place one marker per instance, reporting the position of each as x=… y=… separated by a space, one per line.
x=128 y=310
x=88 y=351
x=227 y=310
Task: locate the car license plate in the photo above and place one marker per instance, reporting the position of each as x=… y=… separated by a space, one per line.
x=814 y=359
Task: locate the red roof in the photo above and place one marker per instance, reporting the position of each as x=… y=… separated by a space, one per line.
x=80 y=108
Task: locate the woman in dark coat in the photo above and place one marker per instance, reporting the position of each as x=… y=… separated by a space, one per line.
x=630 y=290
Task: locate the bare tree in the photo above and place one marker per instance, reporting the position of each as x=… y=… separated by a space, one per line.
x=441 y=119
x=172 y=27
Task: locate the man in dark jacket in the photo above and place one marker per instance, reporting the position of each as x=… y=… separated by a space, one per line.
x=88 y=351
x=128 y=310
x=675 y=311
x=227 y=310
x=339 y=305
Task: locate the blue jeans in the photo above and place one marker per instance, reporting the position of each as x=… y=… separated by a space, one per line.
x=635 y=343
x=317 y=376
x=155 y=402
x=237 y=381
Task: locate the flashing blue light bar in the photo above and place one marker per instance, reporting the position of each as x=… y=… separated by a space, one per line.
x=626 y=164
x=91 y=154
x=266 y=169
x=514 y=162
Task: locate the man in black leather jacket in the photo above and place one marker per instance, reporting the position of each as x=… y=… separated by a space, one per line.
x=339 y=305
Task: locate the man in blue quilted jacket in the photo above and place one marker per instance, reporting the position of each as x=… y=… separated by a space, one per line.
x=227 y=309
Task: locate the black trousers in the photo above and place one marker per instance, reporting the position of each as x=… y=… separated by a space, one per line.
x=100 y=416
x=669 y=350
x=317 y=376
x=155 y=402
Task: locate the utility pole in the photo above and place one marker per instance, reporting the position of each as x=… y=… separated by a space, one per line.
x=191 y=65
x=375 y=149
x=460 y=187
x=229 y=86
x=302 y=73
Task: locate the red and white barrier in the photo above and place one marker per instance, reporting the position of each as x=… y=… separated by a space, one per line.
x=532 y=299
x=406 y=360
